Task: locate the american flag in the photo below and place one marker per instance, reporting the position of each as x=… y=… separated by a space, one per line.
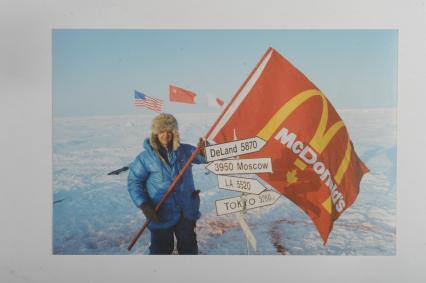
x=152 y=103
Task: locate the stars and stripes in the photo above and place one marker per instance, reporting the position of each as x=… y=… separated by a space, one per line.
x=143 y=100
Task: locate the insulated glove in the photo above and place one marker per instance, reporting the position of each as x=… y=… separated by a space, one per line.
x=149 y=212
x=202 y=143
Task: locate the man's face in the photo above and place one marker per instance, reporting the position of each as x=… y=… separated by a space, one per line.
x=165 y=137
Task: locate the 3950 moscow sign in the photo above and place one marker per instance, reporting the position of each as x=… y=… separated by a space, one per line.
x=241 y=166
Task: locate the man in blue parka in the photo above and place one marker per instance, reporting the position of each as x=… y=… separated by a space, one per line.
x=151 y=174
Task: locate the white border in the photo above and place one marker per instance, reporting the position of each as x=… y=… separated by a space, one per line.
x=25 y=151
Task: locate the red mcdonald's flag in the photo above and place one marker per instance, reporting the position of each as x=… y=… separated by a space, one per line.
x=313 y=159
x=178 y=94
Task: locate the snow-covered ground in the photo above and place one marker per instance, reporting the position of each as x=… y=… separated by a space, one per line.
x=93 y=213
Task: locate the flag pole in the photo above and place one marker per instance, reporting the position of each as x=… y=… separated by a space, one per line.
x=191 y=158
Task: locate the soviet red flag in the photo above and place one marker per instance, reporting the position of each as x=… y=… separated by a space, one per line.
x=313 y=159
x=178 y=94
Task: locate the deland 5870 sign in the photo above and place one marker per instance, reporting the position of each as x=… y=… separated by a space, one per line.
x=234 y=148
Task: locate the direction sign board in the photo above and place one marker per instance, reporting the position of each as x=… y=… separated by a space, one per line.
x=234 y=148
x=241 y=166
x=249 y=235
x=238 y=184
x=236 y=204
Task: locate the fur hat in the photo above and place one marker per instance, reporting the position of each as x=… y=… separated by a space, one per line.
x=164 y=122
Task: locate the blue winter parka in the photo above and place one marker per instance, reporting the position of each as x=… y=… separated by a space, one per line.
x=150 y=177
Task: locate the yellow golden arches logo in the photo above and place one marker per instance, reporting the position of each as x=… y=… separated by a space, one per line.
x=284 y=112
x=320 y=139
x=322 y=136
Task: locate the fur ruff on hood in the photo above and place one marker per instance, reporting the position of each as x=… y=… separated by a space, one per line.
x=164 y=122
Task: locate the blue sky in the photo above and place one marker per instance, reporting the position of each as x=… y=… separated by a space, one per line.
x=95 y=72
